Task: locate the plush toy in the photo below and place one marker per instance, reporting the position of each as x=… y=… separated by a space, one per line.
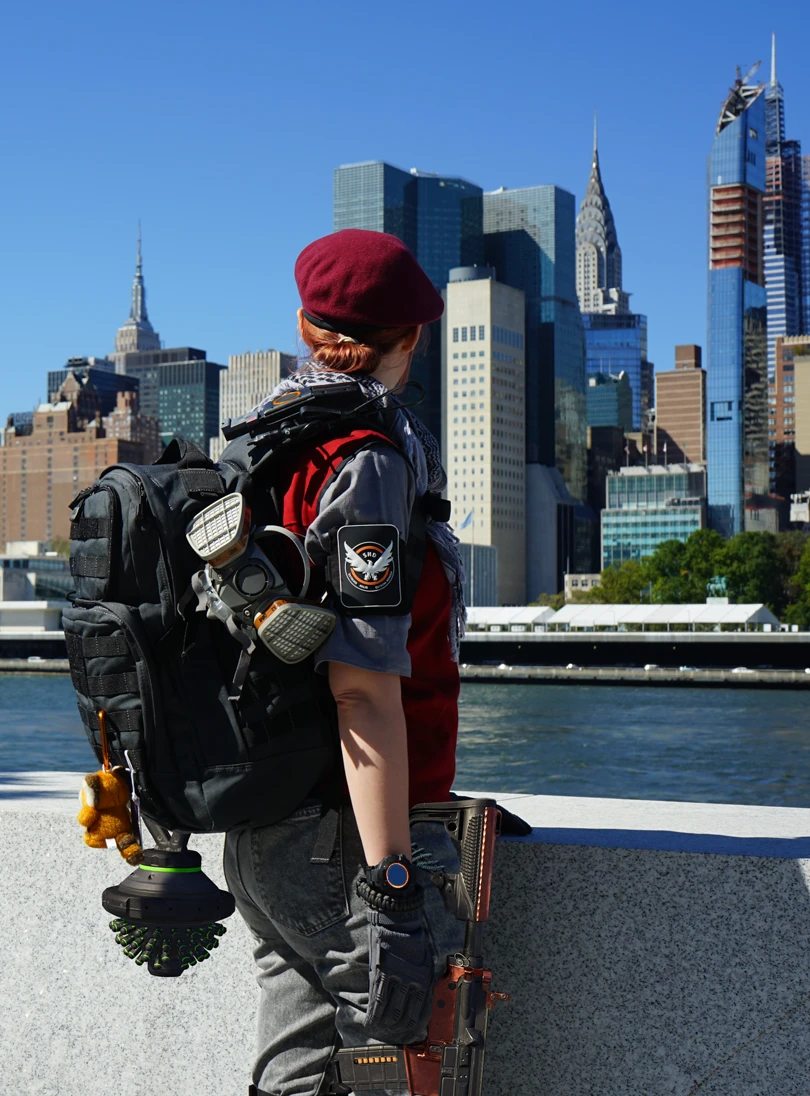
x=104 y=797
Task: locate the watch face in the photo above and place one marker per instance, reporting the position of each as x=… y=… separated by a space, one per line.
x=396 y=875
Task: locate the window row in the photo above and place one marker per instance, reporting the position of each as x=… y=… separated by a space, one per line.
x=507 y=337
x=473 y=330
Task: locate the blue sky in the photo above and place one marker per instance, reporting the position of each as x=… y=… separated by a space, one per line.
x=219 y=126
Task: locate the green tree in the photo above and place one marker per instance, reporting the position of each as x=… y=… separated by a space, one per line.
x=625 y=584
x=789 y=550
x=754 y=570
x=60 y=545
x=552 y=601
x=798 y=612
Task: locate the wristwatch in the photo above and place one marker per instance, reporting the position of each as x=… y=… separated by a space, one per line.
x=390 y=885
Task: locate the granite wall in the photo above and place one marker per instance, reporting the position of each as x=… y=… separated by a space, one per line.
x=650 y=949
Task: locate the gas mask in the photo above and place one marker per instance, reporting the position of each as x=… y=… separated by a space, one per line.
x=246 y=591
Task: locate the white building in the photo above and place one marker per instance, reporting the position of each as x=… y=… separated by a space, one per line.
x=484 y=430
x=246 y=381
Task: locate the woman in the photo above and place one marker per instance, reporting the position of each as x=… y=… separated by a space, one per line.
x=394 y=678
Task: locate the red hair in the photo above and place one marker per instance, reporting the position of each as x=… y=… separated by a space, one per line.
x=351 y=357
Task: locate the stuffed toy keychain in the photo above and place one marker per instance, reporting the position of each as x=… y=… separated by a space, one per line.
x=105 y=800
x=166 y=912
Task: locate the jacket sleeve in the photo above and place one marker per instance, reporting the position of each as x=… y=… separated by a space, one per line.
x=375 y=487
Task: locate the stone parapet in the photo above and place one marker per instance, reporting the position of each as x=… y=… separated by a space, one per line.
x=650 y=948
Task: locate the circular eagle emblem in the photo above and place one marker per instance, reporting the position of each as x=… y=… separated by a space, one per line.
x=369 y=566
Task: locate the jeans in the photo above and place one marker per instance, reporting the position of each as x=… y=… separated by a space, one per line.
x=311 y=940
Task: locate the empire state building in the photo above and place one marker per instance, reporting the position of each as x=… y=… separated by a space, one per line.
x=137 y=332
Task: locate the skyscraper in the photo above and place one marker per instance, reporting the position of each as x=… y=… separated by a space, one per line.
x=783 y=221
x=137 y=332
x=529 y=240
x=615 y=337
x=680 y=409
x=599 y=257
x=438 y=217
x=805 y=218
x=178 y=386
x=737 y=353
x=485 y=448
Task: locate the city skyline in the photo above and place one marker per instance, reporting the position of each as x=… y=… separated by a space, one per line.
x=221 y=235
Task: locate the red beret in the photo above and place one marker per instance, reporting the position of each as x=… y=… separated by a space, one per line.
x=359 y=278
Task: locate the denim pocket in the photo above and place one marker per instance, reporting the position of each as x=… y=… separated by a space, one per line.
x=296 y=894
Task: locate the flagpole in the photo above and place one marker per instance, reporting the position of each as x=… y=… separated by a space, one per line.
x=472 y=563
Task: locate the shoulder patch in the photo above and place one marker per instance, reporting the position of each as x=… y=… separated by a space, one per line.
x=369 y=567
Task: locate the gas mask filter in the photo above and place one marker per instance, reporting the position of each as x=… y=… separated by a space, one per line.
x=246 y=590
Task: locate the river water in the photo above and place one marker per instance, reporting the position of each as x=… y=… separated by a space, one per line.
x=624 y=742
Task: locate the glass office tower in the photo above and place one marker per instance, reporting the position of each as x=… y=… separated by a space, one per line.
x=783 y=221
x=529 y=240
x=180 y=387
x=438 y=217
x=618 y=344
x=805 y=219
x=737 y=366
x=647 y=506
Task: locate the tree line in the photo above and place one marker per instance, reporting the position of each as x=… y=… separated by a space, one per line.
x=771 y=568
x=768 y=568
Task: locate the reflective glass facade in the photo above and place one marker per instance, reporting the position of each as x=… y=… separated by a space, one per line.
x=181 y=388
x=784 y=267
x=635 y=534
x=529 y=238
x=616 y=344
x=609 y=401
x=438 y=217
x=737 y=381
x=647 y=507
x=805 y=229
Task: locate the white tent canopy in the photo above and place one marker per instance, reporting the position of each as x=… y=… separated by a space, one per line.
x=621 y=617
x=507 y=618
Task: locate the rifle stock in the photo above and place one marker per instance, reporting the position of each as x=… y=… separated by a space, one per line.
x=450 y=1061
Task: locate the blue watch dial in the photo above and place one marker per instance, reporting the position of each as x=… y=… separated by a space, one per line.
x=397 y=875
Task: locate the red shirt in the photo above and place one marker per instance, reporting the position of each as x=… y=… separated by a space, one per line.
x=430 y=694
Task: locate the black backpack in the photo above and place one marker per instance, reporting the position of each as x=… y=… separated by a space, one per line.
x=157 y=673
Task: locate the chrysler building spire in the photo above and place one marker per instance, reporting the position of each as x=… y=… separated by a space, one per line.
x=599 y=257
x=137 y=333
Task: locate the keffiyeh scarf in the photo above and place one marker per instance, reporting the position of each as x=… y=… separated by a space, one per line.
x=422 y=450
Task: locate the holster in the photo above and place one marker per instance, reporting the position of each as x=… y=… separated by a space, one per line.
x=450 y=1061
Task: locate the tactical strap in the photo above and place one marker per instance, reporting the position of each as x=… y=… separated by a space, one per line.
x=104 y=684
x=130 y=719
x=95 y=646
x=327 y=836
x=90 y=566
x=202 y=482
x=89 y=528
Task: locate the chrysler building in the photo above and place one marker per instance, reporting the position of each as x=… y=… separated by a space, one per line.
x=599 y=257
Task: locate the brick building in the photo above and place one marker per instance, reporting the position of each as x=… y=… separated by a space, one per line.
x=680 y=409
x=126 y=423
x=44 y=466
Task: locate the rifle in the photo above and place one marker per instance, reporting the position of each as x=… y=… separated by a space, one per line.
x=450 y=1061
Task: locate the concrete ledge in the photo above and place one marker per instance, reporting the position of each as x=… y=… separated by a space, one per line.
x=650 y=948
